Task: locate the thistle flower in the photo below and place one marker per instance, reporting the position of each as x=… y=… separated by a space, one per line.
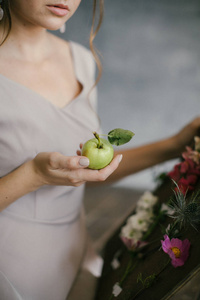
x=185 y=213
x=177 y=250
x=166 y=209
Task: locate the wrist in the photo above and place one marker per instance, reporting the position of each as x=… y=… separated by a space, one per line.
x=173 y=147
x=34 y=175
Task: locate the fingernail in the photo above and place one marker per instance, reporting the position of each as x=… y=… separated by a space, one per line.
x=120 y=158
x=84 y=162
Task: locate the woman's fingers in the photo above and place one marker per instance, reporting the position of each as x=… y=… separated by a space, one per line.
x=78 y=152
x=56 y=169
x=107 y=171
x=103 y=174
x=59 y=161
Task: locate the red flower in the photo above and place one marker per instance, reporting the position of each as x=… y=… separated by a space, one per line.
x=175 y=174
x=185 y=174
x=187 y=184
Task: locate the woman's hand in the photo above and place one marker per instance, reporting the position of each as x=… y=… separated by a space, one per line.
x=53 y=168
x=186 y=136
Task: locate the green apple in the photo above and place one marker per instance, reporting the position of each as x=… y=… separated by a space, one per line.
x=99 y=151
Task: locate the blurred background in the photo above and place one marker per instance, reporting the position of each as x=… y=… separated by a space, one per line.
x=151 y=68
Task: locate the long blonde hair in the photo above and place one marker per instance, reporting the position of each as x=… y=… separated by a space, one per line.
x=93 y=33
x=6 y=8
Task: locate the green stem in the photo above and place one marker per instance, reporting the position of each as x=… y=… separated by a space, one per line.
x=99 y=145
x=143 y=288
x=129 y=269
x=111 y=297
x=152 y=226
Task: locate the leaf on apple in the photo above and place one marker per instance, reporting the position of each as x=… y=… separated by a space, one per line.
x=120 y=136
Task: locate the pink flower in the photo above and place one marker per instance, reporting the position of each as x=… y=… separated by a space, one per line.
x=189 y=166
x=194 y=155
x=132 y=244
x=177 y=250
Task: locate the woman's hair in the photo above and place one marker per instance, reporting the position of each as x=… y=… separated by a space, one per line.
x=93 y=33
x=94 y=29
x=6 y=8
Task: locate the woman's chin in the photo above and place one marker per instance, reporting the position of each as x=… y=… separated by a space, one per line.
x=54 y=28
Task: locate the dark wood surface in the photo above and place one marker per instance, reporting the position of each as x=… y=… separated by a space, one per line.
x=169 y=280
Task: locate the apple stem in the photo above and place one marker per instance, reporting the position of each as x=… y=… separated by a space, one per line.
x=99 y=145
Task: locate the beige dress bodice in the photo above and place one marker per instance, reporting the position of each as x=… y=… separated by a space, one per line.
x=43 y=236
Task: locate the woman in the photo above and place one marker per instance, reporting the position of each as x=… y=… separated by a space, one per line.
x=45 y=113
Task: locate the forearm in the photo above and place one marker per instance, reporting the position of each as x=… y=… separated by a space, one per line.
x=16 y=184
x=143 y=157
x=50 y=168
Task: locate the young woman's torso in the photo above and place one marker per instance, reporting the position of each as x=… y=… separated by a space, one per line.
x=53 y=78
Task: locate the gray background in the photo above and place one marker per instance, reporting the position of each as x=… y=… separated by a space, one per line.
x=151 y=68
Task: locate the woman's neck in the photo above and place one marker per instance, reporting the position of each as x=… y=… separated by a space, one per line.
x=27 y=43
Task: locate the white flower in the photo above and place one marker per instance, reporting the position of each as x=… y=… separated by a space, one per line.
x=126 y=230
x=141 y=220
x=115 y=264
x=168 y=210
x=116 y=289
x=129 y=232
x=197 y=143
x=146 y=201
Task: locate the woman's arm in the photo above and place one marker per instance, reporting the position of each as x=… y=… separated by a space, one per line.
x=49 y=168
x=140 y=158
x=17 y=183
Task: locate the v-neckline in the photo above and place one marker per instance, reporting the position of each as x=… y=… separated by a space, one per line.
x=79 y=80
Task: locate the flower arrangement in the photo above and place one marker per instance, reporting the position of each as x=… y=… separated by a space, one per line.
x=181 y=211
x=187 y=172
x=132 y=233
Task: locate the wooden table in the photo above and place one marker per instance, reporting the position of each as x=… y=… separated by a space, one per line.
x=170 y=281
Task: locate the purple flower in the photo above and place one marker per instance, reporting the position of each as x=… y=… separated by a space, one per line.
x=177 y=250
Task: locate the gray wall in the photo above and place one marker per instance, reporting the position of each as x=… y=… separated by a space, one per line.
x=151 y=67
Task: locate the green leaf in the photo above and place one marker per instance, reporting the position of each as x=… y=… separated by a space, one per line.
x=120 y=136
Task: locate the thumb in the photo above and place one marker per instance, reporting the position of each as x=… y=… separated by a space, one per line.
x=76 y=162
x=84 y=161
x=58 y=161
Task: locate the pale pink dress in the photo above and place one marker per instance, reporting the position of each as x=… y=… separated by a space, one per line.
x=43 y=239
